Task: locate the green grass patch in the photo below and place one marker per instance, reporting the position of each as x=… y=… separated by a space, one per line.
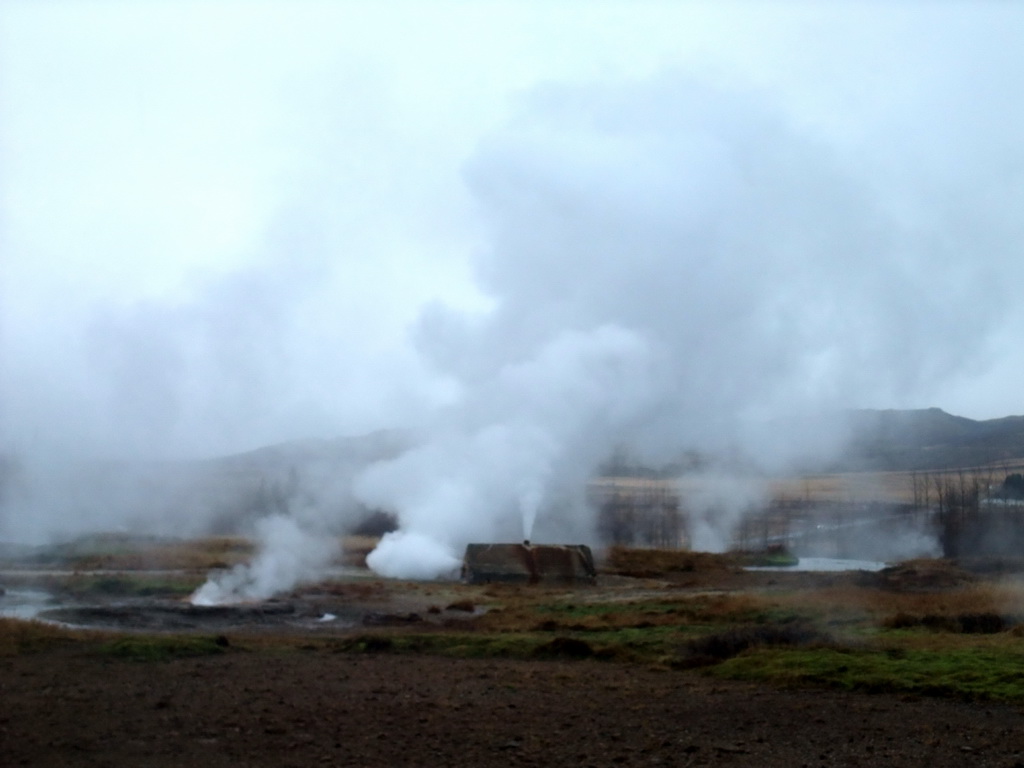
x=636 y=645
x=974 y=673
x=700 y=612
x=650 y=643
x=645 y=635
x=460 y=645
x=163 y=648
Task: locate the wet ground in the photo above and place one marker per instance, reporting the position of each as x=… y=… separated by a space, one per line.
x=180 y=616
x=326 y=608
x=350 y=600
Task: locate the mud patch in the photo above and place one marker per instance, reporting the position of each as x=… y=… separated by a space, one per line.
x=169 y=615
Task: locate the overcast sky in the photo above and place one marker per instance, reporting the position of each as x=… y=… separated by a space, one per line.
x=224 y=224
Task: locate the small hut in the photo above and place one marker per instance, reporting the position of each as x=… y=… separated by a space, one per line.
x=529 y=563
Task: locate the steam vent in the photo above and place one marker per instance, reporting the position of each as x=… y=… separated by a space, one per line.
x=528 y=563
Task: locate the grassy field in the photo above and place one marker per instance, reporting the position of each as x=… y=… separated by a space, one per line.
x=964 y=643
x=964 y=640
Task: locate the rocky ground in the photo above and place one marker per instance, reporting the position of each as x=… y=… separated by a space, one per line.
x=304 y=708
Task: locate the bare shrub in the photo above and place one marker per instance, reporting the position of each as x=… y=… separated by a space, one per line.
x=569 y=647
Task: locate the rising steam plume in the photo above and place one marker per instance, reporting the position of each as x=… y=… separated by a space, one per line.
x=668 y=266
x=672 y=267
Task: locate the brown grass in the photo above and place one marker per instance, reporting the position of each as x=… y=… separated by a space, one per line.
x=200 y=554
x=553 y=612
x=895 y=487
x=891 y=487
x=19 y=636
x=853 y=605
x=650 y=563
x=195 y=554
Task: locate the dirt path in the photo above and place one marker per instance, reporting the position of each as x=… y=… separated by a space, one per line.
x=314 y=708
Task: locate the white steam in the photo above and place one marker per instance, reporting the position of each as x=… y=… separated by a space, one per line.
x=520 y=435
x=672 y=267
x=411 y=555
x=716 y=503
x=665 y=265
x=288 y=555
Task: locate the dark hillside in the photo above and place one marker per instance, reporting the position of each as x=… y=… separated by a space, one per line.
x=930 y=439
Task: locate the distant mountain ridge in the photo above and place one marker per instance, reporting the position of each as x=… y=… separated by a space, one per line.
x=227 y=494
x=929 y=439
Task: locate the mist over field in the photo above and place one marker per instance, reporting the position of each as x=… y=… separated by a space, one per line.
x=527 y=239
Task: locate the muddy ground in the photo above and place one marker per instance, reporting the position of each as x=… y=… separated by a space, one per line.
x=340 y=606
x=313 y=708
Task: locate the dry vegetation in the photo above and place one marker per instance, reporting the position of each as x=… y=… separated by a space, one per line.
x=891 y=487
x=123 y=552
x=161 y=555
x=887 y=487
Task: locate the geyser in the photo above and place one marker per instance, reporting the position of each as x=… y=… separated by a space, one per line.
x=672 y=267
x=288 y=555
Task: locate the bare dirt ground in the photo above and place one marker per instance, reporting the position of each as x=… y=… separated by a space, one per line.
x=311 y=708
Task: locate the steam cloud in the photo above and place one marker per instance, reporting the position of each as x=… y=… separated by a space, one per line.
x=672 y=267
x=288 y=555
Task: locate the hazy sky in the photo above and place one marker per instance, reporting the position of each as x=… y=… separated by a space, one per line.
x=224 y=224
